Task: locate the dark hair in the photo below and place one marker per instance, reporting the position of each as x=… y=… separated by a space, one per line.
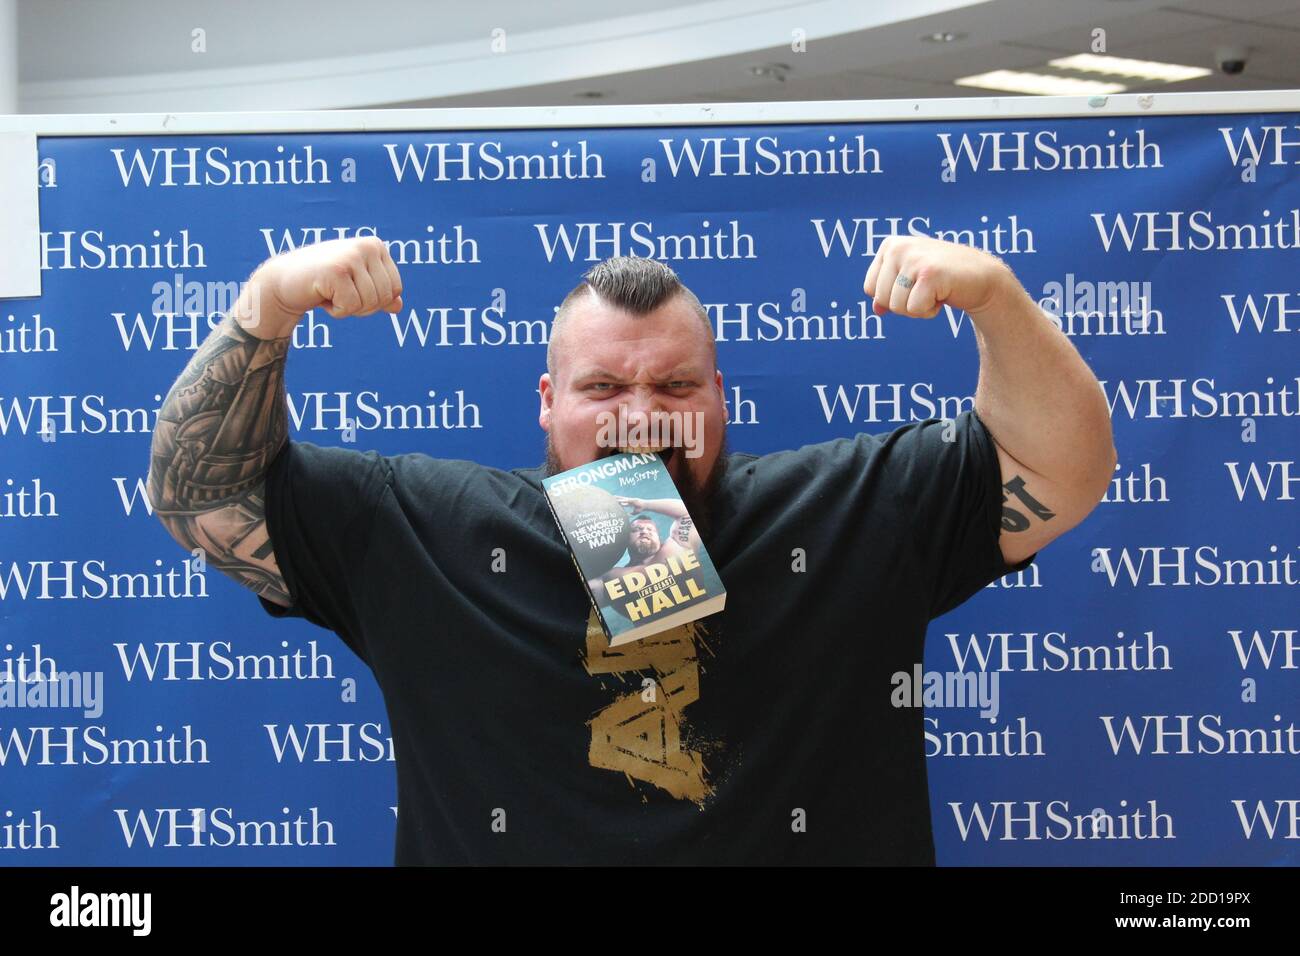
x=635 y=284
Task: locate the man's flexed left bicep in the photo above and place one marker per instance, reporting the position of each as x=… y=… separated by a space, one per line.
x=1036 y=396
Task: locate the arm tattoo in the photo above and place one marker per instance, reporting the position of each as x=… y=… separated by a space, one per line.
x=219 y=428
x=1014 y=520
x=683 y=531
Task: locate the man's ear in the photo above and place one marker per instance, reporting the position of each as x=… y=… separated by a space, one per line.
x=546 y=394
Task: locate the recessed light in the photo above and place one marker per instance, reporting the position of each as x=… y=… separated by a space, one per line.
x=1121 y=66
x=771 y=71
x=942 y=36
x=1040 y=84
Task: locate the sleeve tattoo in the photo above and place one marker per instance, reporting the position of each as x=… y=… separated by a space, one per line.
x=218 y=430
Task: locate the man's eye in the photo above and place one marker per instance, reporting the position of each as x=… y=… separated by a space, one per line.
x=680 y=385
x=601 y=386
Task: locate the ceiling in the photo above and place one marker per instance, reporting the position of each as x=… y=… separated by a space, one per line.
x=182 y=55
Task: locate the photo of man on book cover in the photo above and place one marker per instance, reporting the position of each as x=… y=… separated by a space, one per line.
x=664 y=567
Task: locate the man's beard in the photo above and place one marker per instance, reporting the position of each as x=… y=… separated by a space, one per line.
x=697 y=496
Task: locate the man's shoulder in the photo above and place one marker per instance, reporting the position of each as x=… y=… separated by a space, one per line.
x=419 y=463
x=531 y=475
x=839 y=448
x=421 y=477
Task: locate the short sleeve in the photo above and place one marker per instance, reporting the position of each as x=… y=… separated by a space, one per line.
x=320 y=503
x=949 y=475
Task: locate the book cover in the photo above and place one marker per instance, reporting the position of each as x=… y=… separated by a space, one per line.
x=634 y=545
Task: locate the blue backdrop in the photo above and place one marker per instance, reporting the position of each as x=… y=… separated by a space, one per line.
x=1147 y=662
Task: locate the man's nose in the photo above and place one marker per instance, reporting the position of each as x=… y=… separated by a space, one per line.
x=643 y=404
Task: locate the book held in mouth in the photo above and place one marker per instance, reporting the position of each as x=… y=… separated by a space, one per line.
x=635 y=546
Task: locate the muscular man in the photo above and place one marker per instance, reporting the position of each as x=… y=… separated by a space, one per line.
x=681 y=536
x=764 y=733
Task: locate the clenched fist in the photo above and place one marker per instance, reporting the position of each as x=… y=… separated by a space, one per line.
x=915 y=275
x=343 y=276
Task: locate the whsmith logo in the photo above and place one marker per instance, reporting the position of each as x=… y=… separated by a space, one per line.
x=86 y=250
x=170 y=827
x=867 y=402
x=191 y=166
x=1286 y=316
x=1262 y=481
x=860 y=237
x=28 y=833
x=33 y=501
x=1284 y=820
x=1052 y=651
x=215 y=661
x=315 y=743
x=1247 y=149
x=1016 y=739
x=1267 y=654
x=1177 y=734
x=763 y=156
x=1081 y=307
x=1170 y=566
x=1136 y=487
x=173 y=331
x=592 y=241
x=52 y=415
x=488 y=162
x=91 y=580
x=1052 y=820
x=1199 y=398
x=1013 y=151
x=21 y=338
x=772 y=322
x=439 y=247
x=465 y=326
x=1195 y=230
x=92 y=745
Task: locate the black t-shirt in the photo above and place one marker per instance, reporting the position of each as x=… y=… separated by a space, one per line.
x=762 y=734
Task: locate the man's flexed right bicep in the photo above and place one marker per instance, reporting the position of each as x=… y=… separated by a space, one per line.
x=226 y=418
x=218 y=430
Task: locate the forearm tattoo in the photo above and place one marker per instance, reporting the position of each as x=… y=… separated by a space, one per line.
x=218 y=430
x=1016 y=520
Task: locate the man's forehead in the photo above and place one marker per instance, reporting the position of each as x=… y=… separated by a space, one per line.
x=601 y=339
x=583 y=367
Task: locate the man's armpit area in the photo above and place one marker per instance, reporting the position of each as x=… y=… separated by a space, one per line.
x=1035 y=511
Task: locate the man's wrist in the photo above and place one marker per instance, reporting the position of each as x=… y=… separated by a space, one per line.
x=1006 y=301
x=259 y=313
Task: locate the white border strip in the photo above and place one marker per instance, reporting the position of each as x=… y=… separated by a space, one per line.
x=668 y=114
x=20 y=239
